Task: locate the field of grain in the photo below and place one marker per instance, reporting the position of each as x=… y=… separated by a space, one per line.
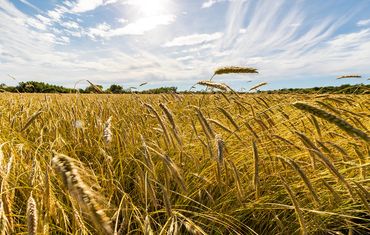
x=184 y=164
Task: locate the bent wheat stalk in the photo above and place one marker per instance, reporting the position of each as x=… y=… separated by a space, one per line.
x=31 y=119
x=296 y=207
x=258 y=86
x=256 y=179
x=66 y=168
x=339 y=122
x=216 y=85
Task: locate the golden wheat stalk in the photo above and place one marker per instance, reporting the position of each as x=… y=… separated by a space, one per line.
x=96 y=88
x=364 y=199
x=220 y=148
x=192 y=227
x=147 y=227
x=349 y=76
x=172 y=167
x=234 y=69
x=4 y=223
x=238 y=182
x=165 y=132
x=258 y=86
x=31 y=216
x=205 y=125
x=216 y=85
x=229 y=117
x=304 y=177
x=339 y=122
x=66 y=168
x=107 y=132
x=171 y=119
x=296 y=207
x=31 y=119
x=331 y=189
x=46 y=201
x=256 y=179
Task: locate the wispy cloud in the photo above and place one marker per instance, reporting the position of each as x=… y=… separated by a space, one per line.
x=30 y=5
x=70 y=24
x=36 y=23
x=39 y=58
x=138 y=27
x=86 y=5
x=210 y=3
x=56 y=14
x=185 y=58
x=288 y=50
x=102 y=40
x=193 y=39
x=363 y=22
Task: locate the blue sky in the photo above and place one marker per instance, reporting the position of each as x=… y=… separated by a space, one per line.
x=293 y=43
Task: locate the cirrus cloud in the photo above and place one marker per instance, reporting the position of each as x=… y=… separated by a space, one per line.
x=193 y=39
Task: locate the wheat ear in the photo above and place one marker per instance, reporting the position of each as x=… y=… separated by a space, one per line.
x=66 y=168
x=31 y=216
x=339 y=122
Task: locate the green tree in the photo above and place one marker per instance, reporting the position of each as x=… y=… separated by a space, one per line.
x=115 y=89
x=161 y=90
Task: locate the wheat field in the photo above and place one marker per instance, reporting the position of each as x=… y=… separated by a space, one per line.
x=222 y=163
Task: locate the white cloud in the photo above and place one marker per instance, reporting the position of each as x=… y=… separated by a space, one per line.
x=36 y=23
x=76 y=34
x=30 y=5
x=101 y=30
x=363 y=22
x=47 y=37
x=143 y=25
x=242 y=31
x=197 y=49
x=351 y=39
x=138 y=27
x=122 y=21
x=63 y=40
x=185 y=58
x=56 y=14
x=70 y=24
x=193 y=39
x=282 y=39
x=31 y=54
x=273 y=45
x=209 y=3
x=43 y=19
x=24 y=43
x=86 y=5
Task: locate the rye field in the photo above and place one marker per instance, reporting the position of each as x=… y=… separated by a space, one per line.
x=221 y=163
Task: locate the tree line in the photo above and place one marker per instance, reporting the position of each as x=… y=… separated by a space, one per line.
x=41 y=87
x=342 y=89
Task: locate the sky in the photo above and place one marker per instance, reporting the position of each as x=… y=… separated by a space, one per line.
x=292 y=43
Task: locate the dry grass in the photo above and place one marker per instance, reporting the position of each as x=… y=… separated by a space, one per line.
x=164 y=164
